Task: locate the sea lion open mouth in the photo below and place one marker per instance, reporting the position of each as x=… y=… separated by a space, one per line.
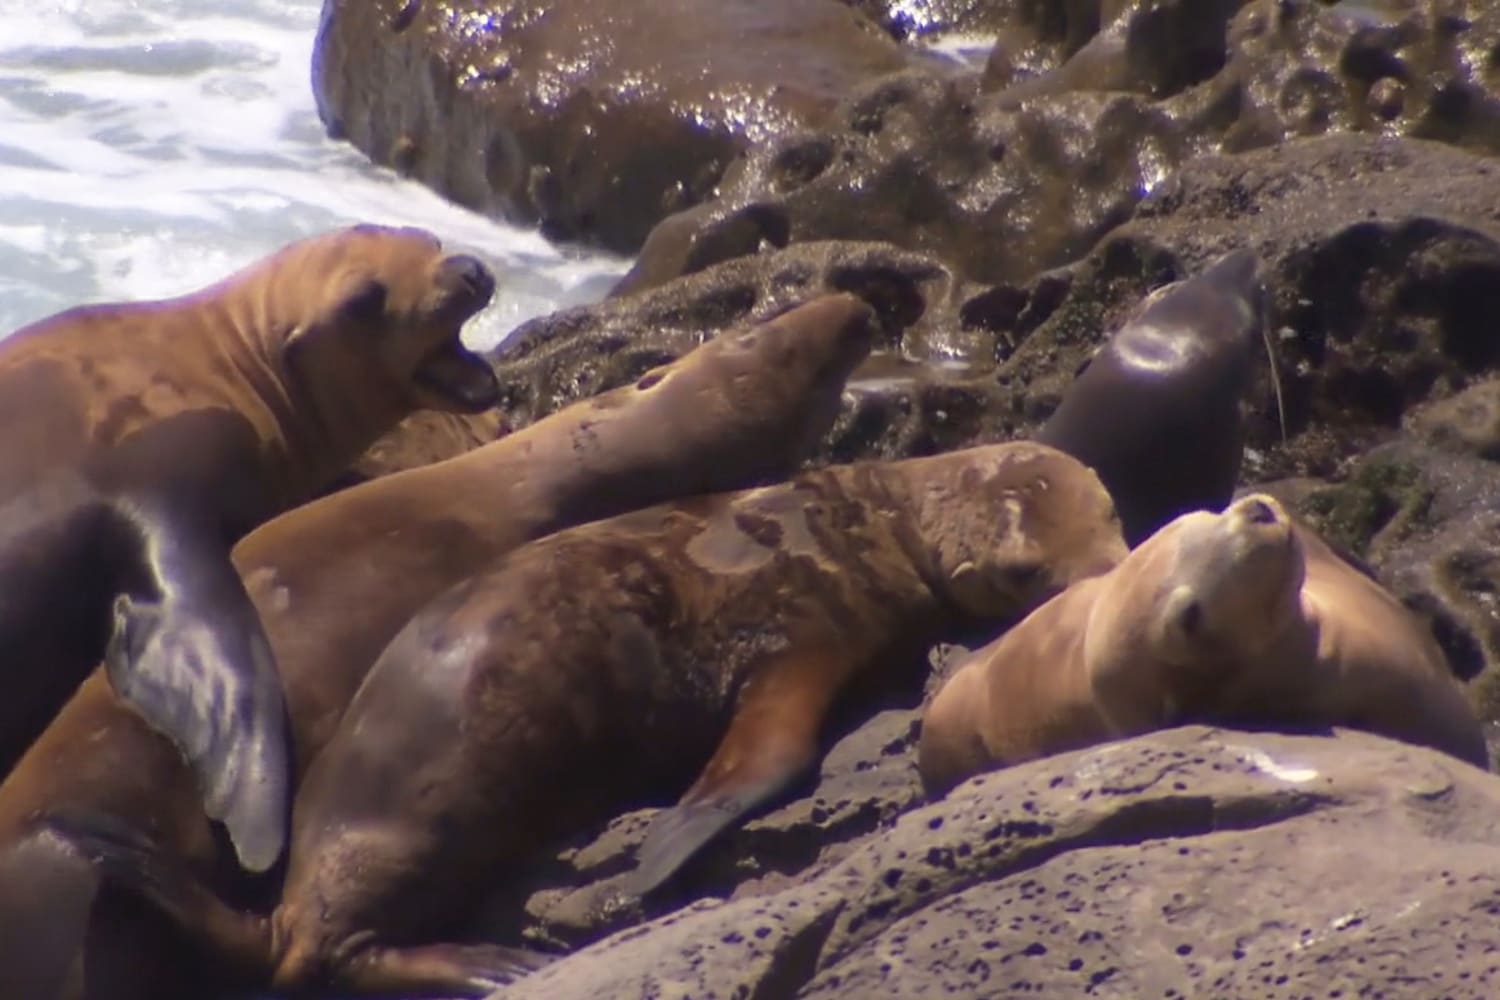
x=458 y=376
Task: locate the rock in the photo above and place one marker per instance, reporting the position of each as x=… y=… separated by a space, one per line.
x=1174 y=864
x=917 y=395
x=1027 y=173
x=1069 y=21
x=592 y=118
x=1427 y=523
x=573 y=898
x=1469 y=421
x=1381 y=258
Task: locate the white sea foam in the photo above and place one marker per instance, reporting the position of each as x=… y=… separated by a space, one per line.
x=149 y=147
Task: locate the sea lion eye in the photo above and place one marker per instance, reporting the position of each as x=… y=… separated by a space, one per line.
x=367 y=303
x=1191 y=618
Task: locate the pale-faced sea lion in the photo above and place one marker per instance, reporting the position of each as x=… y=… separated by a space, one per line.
x=1241 y=617
x=1157 y=411
x=336 y=579
x=138 y=441
x=588 y=671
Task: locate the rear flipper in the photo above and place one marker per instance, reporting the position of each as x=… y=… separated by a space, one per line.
x=126 y=857
x=196 y=664
x=771 y=741
x=467 y=970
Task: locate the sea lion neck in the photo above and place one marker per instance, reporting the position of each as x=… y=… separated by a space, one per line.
x=920 y=504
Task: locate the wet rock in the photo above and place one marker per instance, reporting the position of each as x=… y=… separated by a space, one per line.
x=592 y=118
x=1427 y=523
x=1424 y=68
x=1026 y=172
x=1468 y=422
x=1382 y=258
x=918 y=394
x=931 y=164
x=1068 y=21
x=1174 y=864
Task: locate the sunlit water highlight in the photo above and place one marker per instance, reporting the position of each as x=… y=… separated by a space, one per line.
x=150 y=147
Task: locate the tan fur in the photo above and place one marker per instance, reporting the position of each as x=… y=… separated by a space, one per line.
x=1240 y=617
x=616 y=651
x=335 y=579
x=274 y=344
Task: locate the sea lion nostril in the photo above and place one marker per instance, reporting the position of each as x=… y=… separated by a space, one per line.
x=472 y=276
x=1259 y=512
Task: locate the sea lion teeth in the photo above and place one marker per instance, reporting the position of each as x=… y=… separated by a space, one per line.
x=334 y=580
x=138 y=441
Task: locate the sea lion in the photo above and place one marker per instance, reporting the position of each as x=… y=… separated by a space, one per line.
x=336 y=579
x=138 y=441
x=1244 y=617
x=1157 y=411
x=589 y=670
x=423 y=438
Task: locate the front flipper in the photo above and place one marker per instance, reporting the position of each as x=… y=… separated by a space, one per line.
x=772 y=740
x=196 y=664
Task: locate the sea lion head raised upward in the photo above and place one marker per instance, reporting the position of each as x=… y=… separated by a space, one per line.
x=1157 y=411
x=383 y=306
x=1207 y=583
x=1244 y=617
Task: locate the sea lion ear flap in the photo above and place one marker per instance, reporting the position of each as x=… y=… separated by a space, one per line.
x=133 y=626
x=1182 y=614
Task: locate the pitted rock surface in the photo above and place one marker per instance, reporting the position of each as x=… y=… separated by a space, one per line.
x=573 y=898
x=1382 y=258
x=896 y=404
x=1191 y=862
x=1028 y=173
x=1426 y=520
x=593 y=118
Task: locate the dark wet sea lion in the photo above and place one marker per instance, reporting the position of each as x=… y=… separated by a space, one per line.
x=593 y=669
x=138 y=441
x=1157 y=411
x=334 y=580
x=1240 y=617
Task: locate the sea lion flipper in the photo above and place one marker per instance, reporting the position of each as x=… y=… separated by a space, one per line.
x=132 y=860
x=197 y=666
x=456 y=969
x=771 y=741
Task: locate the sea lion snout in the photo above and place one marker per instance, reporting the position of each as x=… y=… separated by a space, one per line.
x=468 y=282
x=1261 y=516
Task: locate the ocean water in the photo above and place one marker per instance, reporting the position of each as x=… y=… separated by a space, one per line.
x=150 y=147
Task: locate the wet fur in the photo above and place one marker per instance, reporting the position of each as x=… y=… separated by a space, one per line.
x=334 y=580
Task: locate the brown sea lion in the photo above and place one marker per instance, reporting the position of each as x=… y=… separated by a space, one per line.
x=1242 y=617
x=588 y=671
x=138 y=441
x=1157 y=411
x=423 y=438
x=336 y=579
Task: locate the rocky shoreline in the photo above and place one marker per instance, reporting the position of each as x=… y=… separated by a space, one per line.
x=1004 y=219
